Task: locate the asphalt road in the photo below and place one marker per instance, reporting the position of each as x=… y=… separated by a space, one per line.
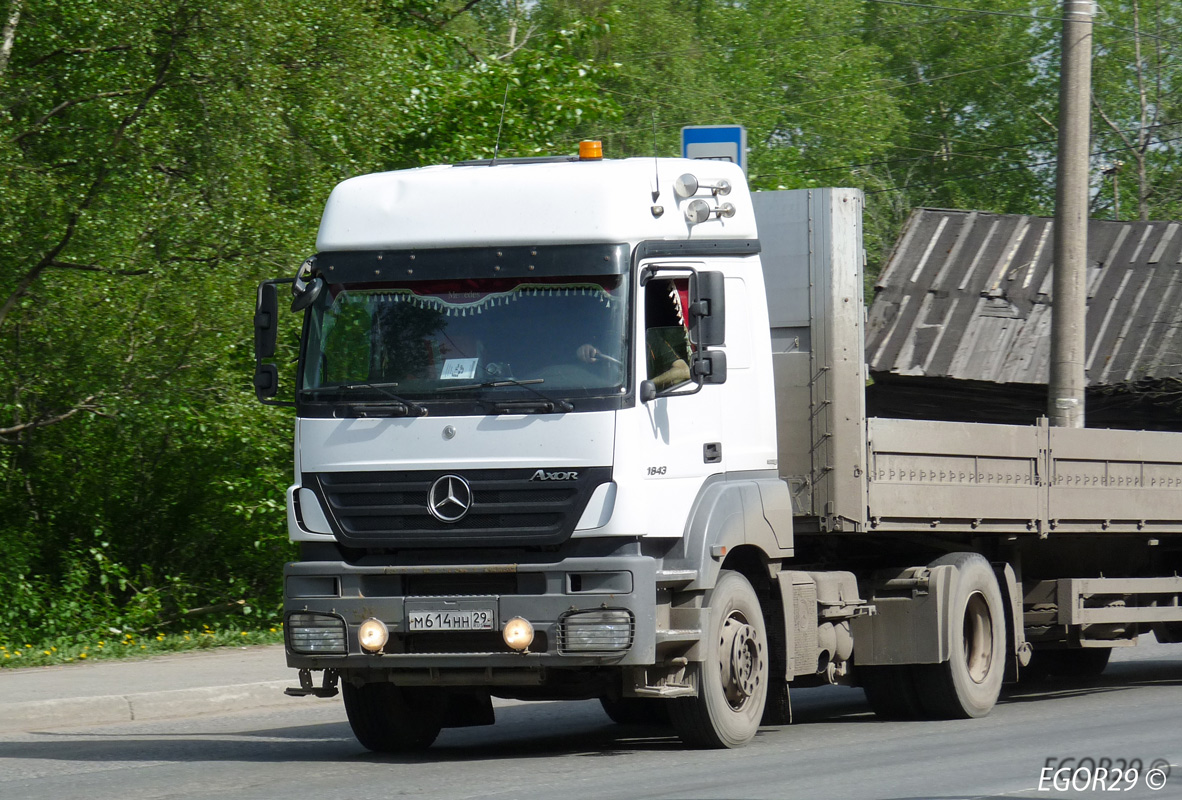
x=835 y=750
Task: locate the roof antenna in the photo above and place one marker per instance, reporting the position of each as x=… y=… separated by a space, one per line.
x=497 y=146
x=656 y=170
x=657 y=210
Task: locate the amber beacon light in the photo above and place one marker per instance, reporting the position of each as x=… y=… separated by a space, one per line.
x=590 y=150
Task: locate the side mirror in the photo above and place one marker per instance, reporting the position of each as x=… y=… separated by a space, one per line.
x=709 y=367
x=266 y=321
x=266 y=381
x=304 y=297
x=266 y=335
x=707 y=309
x=307 y=286
x=648 y=391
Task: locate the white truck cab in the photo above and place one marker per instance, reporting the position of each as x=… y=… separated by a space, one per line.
x=534 y=402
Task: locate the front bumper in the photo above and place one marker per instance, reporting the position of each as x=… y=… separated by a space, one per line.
x=540 y=593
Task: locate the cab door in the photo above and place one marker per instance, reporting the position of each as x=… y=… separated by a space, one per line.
x=679 y=435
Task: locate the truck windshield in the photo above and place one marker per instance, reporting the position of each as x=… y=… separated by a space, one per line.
x=500 y=339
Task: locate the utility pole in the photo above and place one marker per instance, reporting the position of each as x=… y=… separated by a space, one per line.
x=1065 y=401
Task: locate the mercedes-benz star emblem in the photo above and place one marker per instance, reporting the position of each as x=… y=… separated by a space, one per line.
x=449 y=499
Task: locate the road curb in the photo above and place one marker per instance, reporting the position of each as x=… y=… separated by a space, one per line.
x=108 y=709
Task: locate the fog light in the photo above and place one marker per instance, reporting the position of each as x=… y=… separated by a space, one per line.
x=519 y=634
x=373 y=635
x=595 y=631
x=315 y=634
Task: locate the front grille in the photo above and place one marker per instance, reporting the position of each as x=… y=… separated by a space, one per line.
x=389 y=509
x=451 y=584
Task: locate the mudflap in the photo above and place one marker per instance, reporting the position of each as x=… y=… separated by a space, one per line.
x=468 y=709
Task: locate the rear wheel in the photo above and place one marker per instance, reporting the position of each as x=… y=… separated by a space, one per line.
x=969 y=682
x=733 y=680
x=393 y=719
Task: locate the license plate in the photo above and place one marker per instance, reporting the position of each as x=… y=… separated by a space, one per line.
x=467 y=619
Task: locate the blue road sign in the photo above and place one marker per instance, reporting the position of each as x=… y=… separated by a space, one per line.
x=715 y=142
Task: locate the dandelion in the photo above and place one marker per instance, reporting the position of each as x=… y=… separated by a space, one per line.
x=80 y=655
x=243 y=633
x=160 y=638
x=46 y=652
x=273 y=630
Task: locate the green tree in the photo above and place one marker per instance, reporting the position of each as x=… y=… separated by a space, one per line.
x=158 y=157
x=1137 y=105
x=977 y=87
x=800 y=77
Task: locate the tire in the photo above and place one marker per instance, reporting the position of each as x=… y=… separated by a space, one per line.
x=733 y=680
x=636 y=710
x=391 y=719
x=969 y=682
x=891 y=691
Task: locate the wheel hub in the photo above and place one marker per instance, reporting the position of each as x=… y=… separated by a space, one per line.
x=978 y=638
x=740 y=659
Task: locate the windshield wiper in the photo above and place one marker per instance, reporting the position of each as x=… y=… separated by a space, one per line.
x=543 y=404
x=370 y=410
x=409 y=407
x=493 y=384
x=540 y=405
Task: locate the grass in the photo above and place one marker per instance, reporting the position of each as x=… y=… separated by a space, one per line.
x=123 y=645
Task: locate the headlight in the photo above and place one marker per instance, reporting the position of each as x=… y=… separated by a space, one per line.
x=595 y=632
x=519 y=634
x=372 y=635
x=316 y=634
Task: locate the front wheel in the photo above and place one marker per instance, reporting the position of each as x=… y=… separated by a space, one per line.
x=733 y=680
x=391 y=719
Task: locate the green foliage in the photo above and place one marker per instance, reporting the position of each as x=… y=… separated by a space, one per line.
x=113 y=643
x=159 y=157
x=162 y=157
x=798 y=76
x=1137 y=120
x=977 y=93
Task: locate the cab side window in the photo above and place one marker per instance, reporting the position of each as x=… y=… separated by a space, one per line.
x=666 y=335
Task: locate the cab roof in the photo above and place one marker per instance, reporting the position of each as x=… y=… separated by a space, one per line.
x=530 y=202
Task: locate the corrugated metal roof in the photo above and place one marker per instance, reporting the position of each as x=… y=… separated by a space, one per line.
x=967 y=295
